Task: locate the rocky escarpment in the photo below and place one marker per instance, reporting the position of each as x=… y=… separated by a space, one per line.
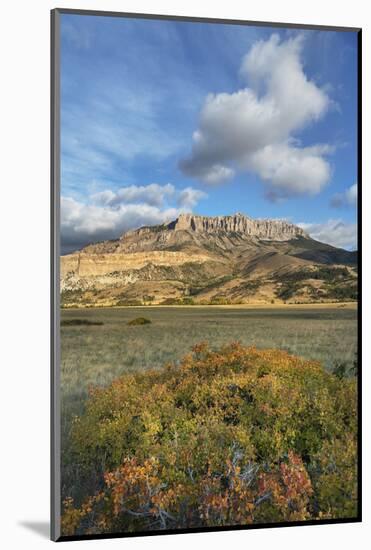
x=276 y=230
x=199 y=259
x=192 y=234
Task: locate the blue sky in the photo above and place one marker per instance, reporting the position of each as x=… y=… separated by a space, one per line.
x=160 y=117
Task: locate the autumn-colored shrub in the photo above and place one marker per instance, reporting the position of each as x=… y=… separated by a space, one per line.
x=227 y=437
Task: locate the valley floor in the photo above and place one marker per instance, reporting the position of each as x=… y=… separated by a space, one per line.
x=98 y=345
x=96 y=354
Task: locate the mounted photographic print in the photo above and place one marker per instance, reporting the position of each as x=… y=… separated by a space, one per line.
x=205 y=286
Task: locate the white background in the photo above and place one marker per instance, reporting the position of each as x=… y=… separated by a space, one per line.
x=24 y=271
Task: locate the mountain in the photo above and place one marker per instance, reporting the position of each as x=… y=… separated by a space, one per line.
x=217 y=260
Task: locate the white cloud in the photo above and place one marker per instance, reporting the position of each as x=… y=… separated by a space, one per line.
x=334 y=232
x=189 y=197
x=254 y=128
x=348 y=198
x=153 y=194
x=82 y=224
x=291 y=170
x=109 y=213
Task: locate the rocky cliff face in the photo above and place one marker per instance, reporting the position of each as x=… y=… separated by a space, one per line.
x=193 y=234
x=275 y=230
x=221 y=259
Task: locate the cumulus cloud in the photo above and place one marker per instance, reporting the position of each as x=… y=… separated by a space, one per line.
x=108 y=214
x=348 y=198
x=255 y=129
x=334 y=232
x=82 y=224
x=189 y=197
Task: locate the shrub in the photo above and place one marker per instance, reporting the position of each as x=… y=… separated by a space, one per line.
x=139 y=321
x=349 y=292
x=188 y=301
x=185 y=301
x=233 y=436
x=339 y=283
x=343 y=369
x=219 y=301
x=127 y=302
x=70 y=297
x=171 y=302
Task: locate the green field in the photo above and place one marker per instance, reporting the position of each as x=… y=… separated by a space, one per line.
x=96 y=354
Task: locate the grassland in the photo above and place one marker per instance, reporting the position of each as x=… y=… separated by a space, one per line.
x=94 y=354
x=98 y=345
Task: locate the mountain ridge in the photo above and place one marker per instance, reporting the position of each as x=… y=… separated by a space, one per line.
x=238 y=223
x=200 y=259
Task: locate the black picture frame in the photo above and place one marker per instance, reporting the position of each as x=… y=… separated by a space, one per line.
x=55 y=269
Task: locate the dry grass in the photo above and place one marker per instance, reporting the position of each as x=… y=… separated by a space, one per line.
x=95 y=354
